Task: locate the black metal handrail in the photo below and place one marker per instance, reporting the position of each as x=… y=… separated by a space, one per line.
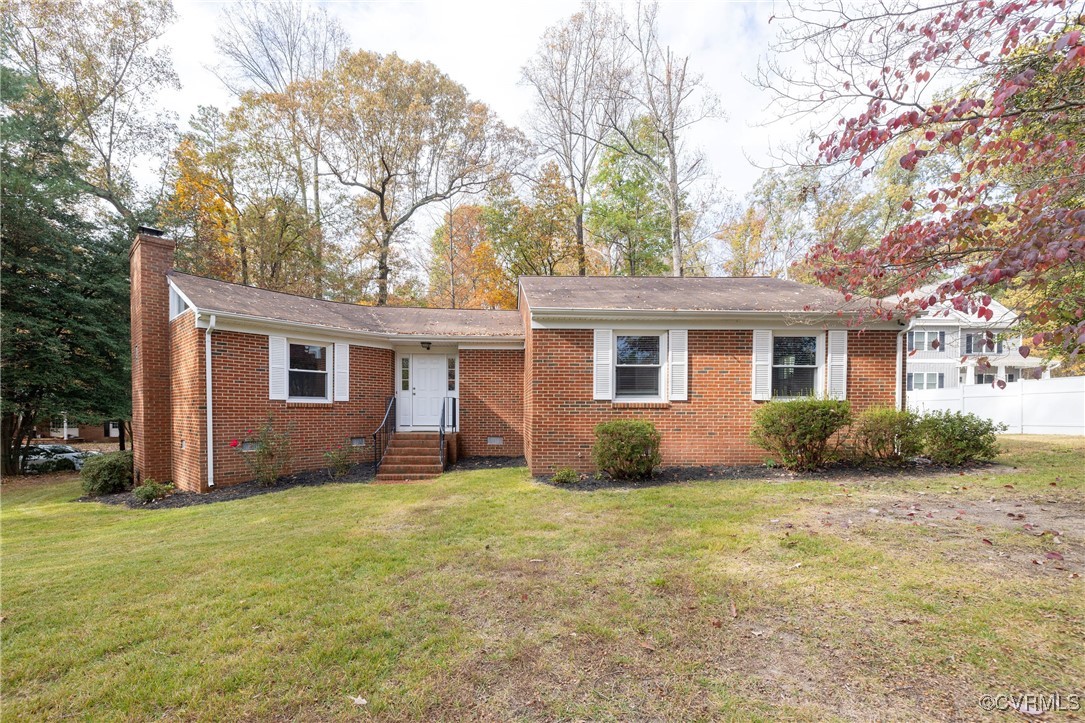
x=383 y=435
x=441 y=429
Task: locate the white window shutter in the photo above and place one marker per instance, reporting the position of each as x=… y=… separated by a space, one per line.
x=679 y=364
x=342 y=372
x=837 y=365
x=762 y=364
x=603 y=364
x=278 y=352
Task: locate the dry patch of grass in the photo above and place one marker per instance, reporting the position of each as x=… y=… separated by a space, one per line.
x=484 y=595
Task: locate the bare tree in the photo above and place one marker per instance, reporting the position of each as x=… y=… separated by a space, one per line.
x=577 y=73
x=270 y=48
x=99 y=64
x=670 y=98
x=407 y=136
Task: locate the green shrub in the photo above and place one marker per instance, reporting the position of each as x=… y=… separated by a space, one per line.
x=626 y=448
x=799 y=431
x=150 y=491
x=106 y=474
x=338 y=460
x=956 y=438
x=267 y=454
x=885 y=434
x=565 y=476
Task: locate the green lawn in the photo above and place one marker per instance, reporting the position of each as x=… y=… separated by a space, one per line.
x=485 y=595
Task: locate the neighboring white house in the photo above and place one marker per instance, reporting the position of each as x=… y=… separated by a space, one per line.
x=943 y=351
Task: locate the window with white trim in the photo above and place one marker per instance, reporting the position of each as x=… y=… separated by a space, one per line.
x=986 y=377
x=927 y=341
x=1013 y=374
x=794 y=366
x=926 y=380
x=638 y=366
x=308 y=371
x=980 y=343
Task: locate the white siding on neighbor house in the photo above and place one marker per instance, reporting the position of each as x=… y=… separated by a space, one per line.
x=1031 y=406
x=950 y=370
x=952 y=344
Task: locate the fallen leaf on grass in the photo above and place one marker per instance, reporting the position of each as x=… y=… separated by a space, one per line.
x=357 y=700
x=734 y=610
x=648 y=646
x=987 y=542
x=717 y=623
x=1053 y=556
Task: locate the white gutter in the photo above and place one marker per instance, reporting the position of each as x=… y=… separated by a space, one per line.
x=900 y=359
x=208 y=398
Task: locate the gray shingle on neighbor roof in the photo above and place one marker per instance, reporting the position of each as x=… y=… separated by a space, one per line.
x=689 y=293
x=223 y=297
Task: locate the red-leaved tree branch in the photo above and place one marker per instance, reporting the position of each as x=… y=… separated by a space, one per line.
x=990 y=99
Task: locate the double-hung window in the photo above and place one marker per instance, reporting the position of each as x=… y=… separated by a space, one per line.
x=638 y=366
x=926 y=380
x=927 y=341
x=794 y=366
x=980 y=343
x=308 y=371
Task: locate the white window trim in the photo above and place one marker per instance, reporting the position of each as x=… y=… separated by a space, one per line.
x=819 y=365
x=329 y=371
x=927 y=348
x=926 y=378
x=664 y=374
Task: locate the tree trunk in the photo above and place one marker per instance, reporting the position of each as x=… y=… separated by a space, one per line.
x=318 y=227
x=676 y=216
x=382 y=271
x=581 y=257
x=120 y=441
x=15 y=430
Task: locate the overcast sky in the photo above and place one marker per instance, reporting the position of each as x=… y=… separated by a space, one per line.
x=484 y=44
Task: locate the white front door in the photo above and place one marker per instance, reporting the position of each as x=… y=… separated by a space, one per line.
x=429 y=387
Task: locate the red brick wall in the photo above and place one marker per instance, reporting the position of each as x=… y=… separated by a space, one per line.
x=491 y=401
x=712 y=427
x=149 y=260
x=872 y=361
x=187 y=403
x=528 y=396
x=240 y=379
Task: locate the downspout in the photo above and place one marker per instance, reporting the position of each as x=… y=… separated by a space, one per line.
x=899 y=377
x=208 y=397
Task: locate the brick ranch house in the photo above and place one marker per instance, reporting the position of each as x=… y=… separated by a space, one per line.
x=211 y=360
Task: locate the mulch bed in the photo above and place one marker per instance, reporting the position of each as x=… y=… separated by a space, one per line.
x=671 y=475
x=473 y=463
x=361 y=473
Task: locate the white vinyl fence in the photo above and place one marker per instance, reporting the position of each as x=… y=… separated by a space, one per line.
x=1029 y=406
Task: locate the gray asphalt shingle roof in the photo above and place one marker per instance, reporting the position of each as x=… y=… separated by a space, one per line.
x=689 y=293
x=223 y=297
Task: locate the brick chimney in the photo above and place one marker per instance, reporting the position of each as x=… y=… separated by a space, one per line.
x=150 y=259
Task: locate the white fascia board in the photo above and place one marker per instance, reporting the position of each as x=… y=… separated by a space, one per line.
x=710 y=320
x=180 y=293
x=259 y=325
